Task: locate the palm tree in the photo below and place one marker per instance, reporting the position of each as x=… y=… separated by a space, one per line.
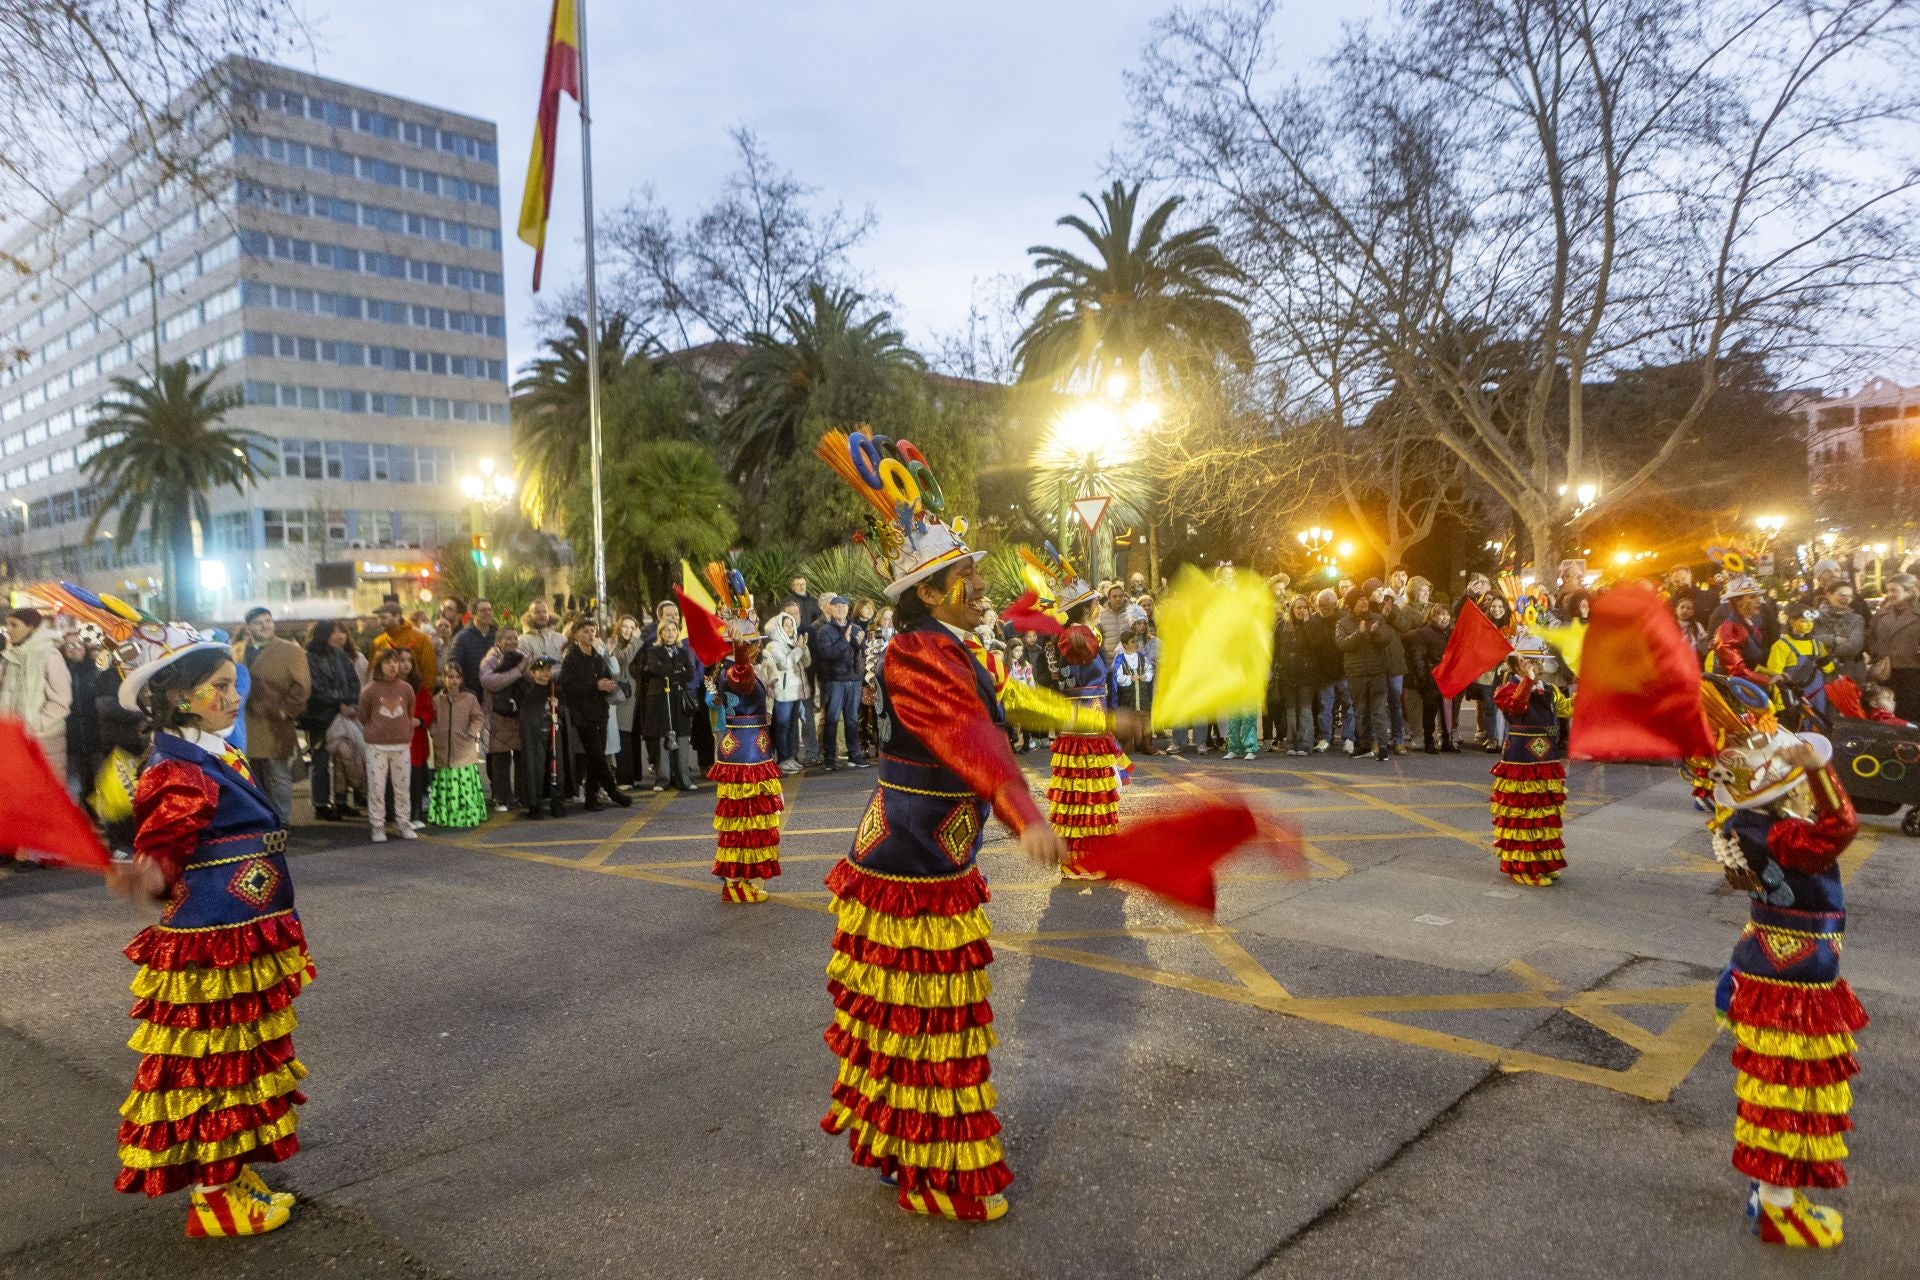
x=665 y=500
x=551 y=431
x=162 y=449
x=778 y=383
x=1065 y=467
x=1145 y=296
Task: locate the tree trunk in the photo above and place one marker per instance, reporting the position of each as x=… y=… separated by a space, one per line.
x=182 y=599
x=1541 y=539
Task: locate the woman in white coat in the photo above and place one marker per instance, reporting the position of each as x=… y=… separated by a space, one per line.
x=783 y=670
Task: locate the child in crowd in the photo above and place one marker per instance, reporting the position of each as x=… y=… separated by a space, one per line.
x=1880 y=702
x=1020 y=671
x=416 y=797
x=387 y=721
x=455 y=796
x=539 y=706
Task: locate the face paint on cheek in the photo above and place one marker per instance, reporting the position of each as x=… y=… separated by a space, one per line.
x=957 y=593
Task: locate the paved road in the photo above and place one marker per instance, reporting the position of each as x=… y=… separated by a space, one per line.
x=547 y=1050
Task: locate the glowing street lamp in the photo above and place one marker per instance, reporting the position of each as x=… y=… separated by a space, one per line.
x=486 y=494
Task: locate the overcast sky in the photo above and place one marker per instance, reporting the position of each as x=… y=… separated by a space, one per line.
x=968 y=126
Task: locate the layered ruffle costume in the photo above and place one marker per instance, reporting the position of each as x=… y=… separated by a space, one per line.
x=1083 y=791
x=218 y=1080
x=1791 y=1013
x=912 y=1024
x=1530 y=783
x=746 y=812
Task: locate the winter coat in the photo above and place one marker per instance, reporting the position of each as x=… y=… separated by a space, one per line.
x=784 y=661
x=837 y=652
x=1294 y=662
x=1364 y=648
x=1894 y=634
x=499 y=672
x=467 y=651
x=426 y=660
x=580 y=693
x=1844 y=632
x=35 y=687
x=332 y=684
x=1424 y=650
x=1396 y=635
x=1323 y=647
x=670 y=684
x=83 y=722
x=454 y=736
x=626 y=661
x=278 y=696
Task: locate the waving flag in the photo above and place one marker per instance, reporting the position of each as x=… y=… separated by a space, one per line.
x=1475 y=648
x=36 y=814
x=1175 y=854
x=562 y=75
x=1639 y=692
x=704 y=632
x=1216 y=645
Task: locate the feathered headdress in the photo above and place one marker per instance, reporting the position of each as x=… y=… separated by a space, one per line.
x=143 y=645
x=736 y=604
x=1065 y=587
x=905 y=535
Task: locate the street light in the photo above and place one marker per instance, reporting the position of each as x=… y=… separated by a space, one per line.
x=486 y=494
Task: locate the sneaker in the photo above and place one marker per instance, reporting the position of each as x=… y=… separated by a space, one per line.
x=254 y=1185
x=1348 y=746
x=217 y=1212
x=1231 y=755
x=1173 y=751
x=620 y=798
x=379 y=836
x=499 y=808
x=1399 y=748
x=1321 y=745
x=744 y=891
x=860 y=764
x=408 y=833
x=658 y=787
x=1802 y=1224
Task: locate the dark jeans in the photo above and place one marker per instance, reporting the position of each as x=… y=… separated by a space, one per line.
x=1396 y=708
x=843 y=710
x=1436 y=716
x=319 y=769
x=1905 y=683
x=1372 y=727
x=1334 y=697
x=786 y=729
x=632 y=762
x=596 y=776
x=536 y=765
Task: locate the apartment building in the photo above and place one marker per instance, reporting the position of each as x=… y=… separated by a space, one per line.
x=342 y=270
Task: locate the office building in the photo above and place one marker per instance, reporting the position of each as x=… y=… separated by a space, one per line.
x=343 y=272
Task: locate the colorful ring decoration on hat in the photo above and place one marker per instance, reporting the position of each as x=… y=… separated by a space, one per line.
x=897 y=482
x=1750 y=693
x=909 y=453
x=865 y=455
x=1892 y=771
x=1860 y=768
x=930 y=495
x=1733 y=562
x=1907 y=752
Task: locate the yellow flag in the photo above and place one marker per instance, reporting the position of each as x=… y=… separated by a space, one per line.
x=1216 y=649
x=1568 y=640
x=696 y=590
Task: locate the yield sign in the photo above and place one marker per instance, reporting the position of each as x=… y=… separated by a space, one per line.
x=1090 y=510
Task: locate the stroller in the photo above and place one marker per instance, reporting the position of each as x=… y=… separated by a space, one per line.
x=1878 y=763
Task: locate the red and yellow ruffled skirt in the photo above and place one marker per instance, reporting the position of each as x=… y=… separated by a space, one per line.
x=1792 y=1057
x=1083 y=793
x=218 y=1081
x=746 y=816
x=1529 y=804
x=912 y=1028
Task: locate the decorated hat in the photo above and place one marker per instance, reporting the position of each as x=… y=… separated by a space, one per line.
x=1739 y=584
x=1064 y=585
x=1749 y=770
x=733 y=603
x=905 y=536
x=143 y=646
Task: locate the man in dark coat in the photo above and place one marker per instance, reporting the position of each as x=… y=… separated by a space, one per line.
x=586 y=678
x=471 y=645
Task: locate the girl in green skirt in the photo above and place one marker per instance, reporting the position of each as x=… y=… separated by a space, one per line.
x=455 y=797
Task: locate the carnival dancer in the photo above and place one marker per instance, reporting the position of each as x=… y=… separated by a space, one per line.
x=1088 y=769
x=912 y=1025
x=746 y=773
x=1783 y=822
x=217 y=1084
x=1530 y=779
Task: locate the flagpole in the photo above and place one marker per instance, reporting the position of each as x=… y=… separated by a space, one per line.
x=593 y=321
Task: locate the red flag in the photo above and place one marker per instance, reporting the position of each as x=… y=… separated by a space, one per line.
x=561 y=75
x=1475 y=648
x=36 y=814
x=1639 y=691
x=706 y=633
x=1024 y=615
x=1174 y=855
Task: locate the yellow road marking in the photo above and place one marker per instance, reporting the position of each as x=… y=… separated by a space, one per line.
x=1434 y=825
x=1531 y=976
x=624 y=832
x=1858 y=852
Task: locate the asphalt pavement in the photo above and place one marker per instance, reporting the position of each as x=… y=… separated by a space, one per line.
x=548 y=1050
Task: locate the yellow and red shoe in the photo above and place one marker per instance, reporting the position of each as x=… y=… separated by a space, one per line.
x=231 y=1211
x=254 y=1185
x=957 y=1208
x=1074 y=871
x=1802 y=1224
x=742 y=891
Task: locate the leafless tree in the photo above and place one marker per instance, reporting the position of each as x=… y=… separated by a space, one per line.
x=80 y=78
x=1495 y=202
x=733 y=268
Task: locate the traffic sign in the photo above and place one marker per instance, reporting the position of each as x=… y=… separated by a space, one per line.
x=1091 y=510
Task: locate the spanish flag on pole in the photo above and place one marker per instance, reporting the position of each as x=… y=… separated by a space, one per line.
x=562 y=75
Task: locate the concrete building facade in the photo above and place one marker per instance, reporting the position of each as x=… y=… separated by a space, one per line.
x=343 y=272
x=1863 y=460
